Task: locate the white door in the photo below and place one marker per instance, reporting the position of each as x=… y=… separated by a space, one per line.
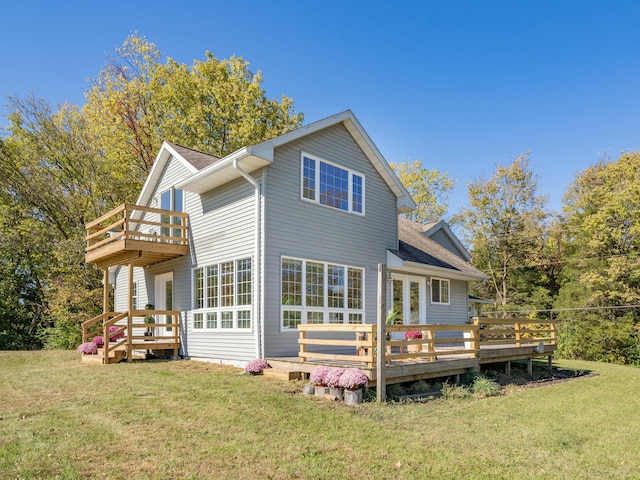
x=409 y=298
x=164 y=301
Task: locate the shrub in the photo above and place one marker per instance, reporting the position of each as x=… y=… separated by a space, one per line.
x=353 y=378
x=485 y=387
x=256 y=366
x=88 y=348
x=454 y=392
x=332 y=379
x=318 y=375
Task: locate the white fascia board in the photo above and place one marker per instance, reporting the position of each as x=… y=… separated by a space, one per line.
x=396 y=264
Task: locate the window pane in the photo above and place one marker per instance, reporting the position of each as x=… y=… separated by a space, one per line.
x=309 y=179
x=178 y=202
x=336 y=317
x=165 y=204
x=355 y=288
x=198 y=289
x=444 y=291
x=356 y=196
x=134 y=296
x=355 y=318
x=197 y=321
x=291 y=282
x=168 y=293
x=315 y=317
x=291 y=319
x=435 y=290
x=244 y=319
x=226 y=284
x=212 y=320
x=335 y=287
x=398 y=296
x=226 y=320
x=334 y=186
x=315 y=284
x=414 y=298
x=212 y=286
x=244 y=282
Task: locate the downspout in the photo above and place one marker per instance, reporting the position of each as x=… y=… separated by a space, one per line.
x=258 y=257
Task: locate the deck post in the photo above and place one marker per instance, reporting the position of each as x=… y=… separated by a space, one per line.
x=381 y=379
x=517 y=326
x=303 y=346
x=530 y=366
x=105 y=293
x=550 y=362
x=129 y=312
x=507 y=368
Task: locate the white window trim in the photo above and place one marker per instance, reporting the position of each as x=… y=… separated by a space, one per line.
x=316 y=201
x=431 y=290
x=220 y=309
x=303 y=309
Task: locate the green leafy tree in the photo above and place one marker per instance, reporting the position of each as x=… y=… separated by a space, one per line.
x=504 y=225
x=428 y=188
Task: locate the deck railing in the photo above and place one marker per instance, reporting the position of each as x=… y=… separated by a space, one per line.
x=126 y=222
x=438 y=341
x=515 y=331
x=362 y=341
x=133 y=330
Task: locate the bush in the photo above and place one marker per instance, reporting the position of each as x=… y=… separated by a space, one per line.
x=62 y=336
x=455 y=392
x=484 y=387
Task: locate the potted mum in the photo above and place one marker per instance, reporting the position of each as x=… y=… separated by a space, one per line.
x=353 y=380
x=88 y=348
x=255 y=367
x=332 y=379
x=413 y=335
x=318 y=378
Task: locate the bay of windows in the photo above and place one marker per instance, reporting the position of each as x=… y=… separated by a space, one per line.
x=222 y=296
x=332 y=186
x=320 y=292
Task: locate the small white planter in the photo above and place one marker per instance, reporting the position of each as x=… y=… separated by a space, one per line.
x=320 y=391
x=336 y=392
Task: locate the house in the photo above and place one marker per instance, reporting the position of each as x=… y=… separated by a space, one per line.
x=286 y=232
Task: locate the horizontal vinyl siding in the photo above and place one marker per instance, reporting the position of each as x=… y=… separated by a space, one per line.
x=297 y=228
x=223 y=229
x=456 y=311
x=443 y=240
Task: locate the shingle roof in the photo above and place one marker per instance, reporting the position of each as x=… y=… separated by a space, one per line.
x=198 y=159
x=415 y=247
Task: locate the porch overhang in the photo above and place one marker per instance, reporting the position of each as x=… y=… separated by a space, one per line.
x=249 y=159
x=398 y=265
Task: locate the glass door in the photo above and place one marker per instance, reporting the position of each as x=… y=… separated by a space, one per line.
x=164 y=301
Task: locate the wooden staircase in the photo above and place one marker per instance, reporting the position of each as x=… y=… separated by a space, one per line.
x=115 y=356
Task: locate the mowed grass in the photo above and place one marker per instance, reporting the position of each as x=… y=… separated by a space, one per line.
x=60 y=418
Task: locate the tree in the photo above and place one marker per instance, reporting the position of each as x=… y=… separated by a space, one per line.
x=504 y=226
x=216 y=106
x=428 y=188
x=602 y=207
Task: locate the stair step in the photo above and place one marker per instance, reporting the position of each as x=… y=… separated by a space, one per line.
x=281 y=374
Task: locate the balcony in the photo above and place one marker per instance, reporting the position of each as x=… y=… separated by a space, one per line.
x=141 y=236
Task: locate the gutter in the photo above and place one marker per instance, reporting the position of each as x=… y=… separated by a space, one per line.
x=259 y=327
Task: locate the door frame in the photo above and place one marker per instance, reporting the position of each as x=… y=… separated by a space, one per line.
x=407 y=280
x=160 y=283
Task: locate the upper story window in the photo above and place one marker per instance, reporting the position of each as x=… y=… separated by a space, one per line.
x=439 y=290
x=171 y=199
x=331 y=185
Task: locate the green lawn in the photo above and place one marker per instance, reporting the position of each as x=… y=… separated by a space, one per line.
x=60 y=418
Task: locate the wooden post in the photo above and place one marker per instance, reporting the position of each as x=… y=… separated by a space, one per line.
x=431 y=348
x=303 y=346
x=381 y=379
x=550 y=362
x=530 y=366
x=507 y=368
x=129 y=312
x=105 y=293
x=517 y=325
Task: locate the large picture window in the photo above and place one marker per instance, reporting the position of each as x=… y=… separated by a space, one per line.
x=222 y=296
x=318 y=292
x=439 y=290
x=331 y=185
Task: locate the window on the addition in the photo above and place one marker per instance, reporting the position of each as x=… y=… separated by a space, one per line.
x=439 y=291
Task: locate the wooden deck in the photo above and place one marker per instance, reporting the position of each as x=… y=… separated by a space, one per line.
x=131 y=336
x=123 y=236
x=443 y=350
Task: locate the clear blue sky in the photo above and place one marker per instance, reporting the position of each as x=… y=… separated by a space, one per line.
x=459 y=85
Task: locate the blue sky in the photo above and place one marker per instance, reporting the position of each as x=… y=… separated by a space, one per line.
x=459 y=85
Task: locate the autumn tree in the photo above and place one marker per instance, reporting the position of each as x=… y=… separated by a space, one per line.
x=602 y=276
x=504 y=227
x=428 y=188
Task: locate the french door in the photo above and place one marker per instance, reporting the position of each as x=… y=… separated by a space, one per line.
x=164 y=301
x=410 y=298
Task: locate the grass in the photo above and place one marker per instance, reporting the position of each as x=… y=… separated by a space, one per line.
x=60 y=418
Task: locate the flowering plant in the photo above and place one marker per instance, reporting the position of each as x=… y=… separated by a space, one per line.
x=413 y=335
x=256 y=366
x=88 y=348
x=332 y=379
x=318 y=375
x=118 y=335
x=353 y=378
x=99 y=341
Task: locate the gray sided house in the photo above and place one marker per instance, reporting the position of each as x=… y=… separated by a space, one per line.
x=287 y=232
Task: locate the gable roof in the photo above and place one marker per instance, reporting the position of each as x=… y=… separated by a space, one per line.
x=198 y=159
x=253 y=157
x=420 y=254
x=431 y=229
